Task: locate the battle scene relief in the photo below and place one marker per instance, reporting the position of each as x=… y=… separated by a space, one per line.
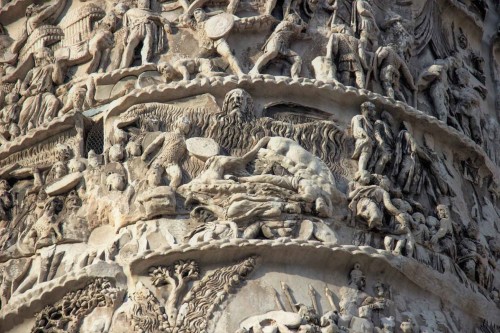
x=250 y=166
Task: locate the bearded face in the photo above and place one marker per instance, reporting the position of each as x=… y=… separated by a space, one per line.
x=238 y=104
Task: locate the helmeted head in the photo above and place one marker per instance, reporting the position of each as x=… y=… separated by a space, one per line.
x=199 y=15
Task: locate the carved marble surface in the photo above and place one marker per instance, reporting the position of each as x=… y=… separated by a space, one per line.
x=249 y=166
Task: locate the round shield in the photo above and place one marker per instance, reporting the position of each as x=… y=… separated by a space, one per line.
x=219 y=25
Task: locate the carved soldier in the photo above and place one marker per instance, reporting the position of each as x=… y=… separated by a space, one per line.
x=278 y=44
x=6 y=202
x=384 y=138
x=9 y=116
x=362 y=131
x=210 y=46
x=371 y=201
x=40 y=104
x=171 y=149
x=435 y=79
x=467 y=105
x=443 y=240
x=473 y=257
x=146 y=27
x=366 y=25
x=349 y=56
x=392 y=67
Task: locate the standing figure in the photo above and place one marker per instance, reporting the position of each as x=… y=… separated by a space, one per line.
x=278 y=44
x=435 y=80
x=349 y=56
x=467 y=105
x=443 y=240
x=171 y=147
x=366 y=25
x=391 y=67
x=210 y=46
x=384 y=139
x=407 y=169
x=40 y=105
x=362 y=131
x=146 y=27
x=6 y=202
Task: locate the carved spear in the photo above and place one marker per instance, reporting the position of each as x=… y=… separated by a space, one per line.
x=312 y=294
x=286 y=291
x=329 y=296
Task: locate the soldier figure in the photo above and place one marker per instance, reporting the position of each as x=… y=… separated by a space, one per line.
x=367 y=26
x=143 y=26
x=362 y=131
x=209 y=45
x=349 y=56
x=391 y=67
x=278 y=44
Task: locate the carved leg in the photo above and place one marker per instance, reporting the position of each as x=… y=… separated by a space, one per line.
x=360 y=79
x=128 y=54
x=224 y=50
x=296 y=67
x=345 y=78
x=147 y=47
x=262 y=61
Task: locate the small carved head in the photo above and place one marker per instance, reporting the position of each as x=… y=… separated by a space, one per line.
x=203 y=214
x=32 y=10
x=116 y=182
x=43 y=56
x=183 y=125
x=167 y=71
x=368 y=110
x=463 y=76
x=388 y=324
x=443 y=211
x=154 y=175
x=63 y=152
x=293 y=18
x=199 y=15
x=4 y=185
x=145 y=4
x=60 y=170
x=407 y=326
